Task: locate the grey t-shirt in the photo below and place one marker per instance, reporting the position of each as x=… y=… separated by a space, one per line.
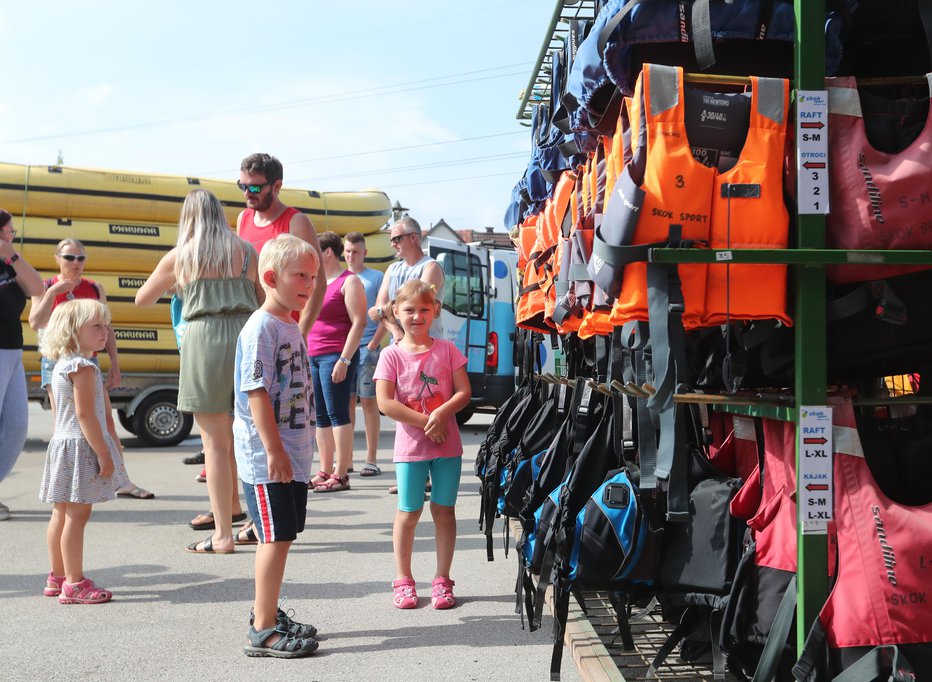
x=270 y=354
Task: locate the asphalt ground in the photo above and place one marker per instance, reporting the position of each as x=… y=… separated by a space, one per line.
x=179 y=616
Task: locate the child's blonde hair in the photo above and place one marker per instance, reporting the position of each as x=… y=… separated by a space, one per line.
x=415 y=288
x=60 y=337
x=279 y=252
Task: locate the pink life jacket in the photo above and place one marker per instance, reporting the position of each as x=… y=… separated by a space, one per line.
x=879 y=200
x=882 y=596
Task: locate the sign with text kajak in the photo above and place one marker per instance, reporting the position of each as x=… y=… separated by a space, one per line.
x=815 y=469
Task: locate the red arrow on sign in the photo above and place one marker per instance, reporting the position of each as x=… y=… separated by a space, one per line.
x=814 y=487
x=811 y=165
x=817 y=125
x=822 y=440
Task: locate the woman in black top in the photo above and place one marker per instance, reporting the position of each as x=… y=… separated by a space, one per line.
x=18 y=280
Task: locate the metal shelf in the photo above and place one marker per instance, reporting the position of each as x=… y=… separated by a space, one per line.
x=538 y=86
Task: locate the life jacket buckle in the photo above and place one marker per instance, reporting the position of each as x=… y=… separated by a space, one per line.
x=889 y=308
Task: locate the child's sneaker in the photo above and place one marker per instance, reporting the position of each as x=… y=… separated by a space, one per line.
x=404 y=596
x=441 y=593
x=53 y=585
x=292 y=627
x=84 y=592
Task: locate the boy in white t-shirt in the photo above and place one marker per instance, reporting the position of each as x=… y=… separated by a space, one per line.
x=273 y=431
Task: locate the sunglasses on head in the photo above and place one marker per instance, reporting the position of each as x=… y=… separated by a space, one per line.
x=398 y=238
x=252 y=189
x=71 y=257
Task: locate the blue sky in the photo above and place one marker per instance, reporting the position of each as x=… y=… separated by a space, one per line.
x=190 y=88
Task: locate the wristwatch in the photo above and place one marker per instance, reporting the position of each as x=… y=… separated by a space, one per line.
x=345 y=361
x=12 y=259
x=378 y=310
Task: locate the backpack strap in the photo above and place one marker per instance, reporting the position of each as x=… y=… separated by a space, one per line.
x=668 y=343
x=776 y=638
x=880 y=663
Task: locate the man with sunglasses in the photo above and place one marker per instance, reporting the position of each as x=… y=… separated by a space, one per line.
x=266 y=216
x=412 y=263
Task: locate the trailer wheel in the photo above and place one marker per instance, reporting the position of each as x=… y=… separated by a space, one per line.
x=157 y=420
x=126 y=422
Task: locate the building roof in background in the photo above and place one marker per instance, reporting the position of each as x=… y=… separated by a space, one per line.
x=487 y=236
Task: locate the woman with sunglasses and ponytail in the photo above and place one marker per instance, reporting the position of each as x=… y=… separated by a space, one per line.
x=70 y=284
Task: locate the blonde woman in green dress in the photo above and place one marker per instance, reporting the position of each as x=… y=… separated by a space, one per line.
x=215 y=275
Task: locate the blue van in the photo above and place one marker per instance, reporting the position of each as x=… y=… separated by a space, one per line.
x=478 y=315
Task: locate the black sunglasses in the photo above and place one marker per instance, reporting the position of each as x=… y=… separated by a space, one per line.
x=394 y=240
x=71 y=257
x=252 y=189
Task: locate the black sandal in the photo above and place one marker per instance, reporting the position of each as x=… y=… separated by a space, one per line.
x=249 y=532
x=287 y=645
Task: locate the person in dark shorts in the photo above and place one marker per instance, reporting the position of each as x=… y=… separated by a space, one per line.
x=273 y=435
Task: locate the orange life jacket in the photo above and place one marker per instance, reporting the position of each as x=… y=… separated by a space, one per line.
x=741 y=207
x=562 y=218
x=596 y=318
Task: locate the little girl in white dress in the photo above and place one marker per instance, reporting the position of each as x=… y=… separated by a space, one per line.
x=84 y=463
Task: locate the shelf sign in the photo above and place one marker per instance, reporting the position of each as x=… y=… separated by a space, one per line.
x=815 y=469
x=812 y=151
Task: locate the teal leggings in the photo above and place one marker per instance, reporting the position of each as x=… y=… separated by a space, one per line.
x=444 y=481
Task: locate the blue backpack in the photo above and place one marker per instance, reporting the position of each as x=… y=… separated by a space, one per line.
x=611 y=532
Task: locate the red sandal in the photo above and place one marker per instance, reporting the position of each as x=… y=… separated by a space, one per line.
x=404 y=594
x=333 y=484
x=83 y=592
x=441 y=593
x=320 y=477
x=53 y=585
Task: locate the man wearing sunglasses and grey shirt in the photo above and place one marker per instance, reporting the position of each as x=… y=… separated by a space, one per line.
x=412 y=264
x=266 y=216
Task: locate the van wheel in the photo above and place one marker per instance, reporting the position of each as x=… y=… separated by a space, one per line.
x=157 y=420
x=465 y=414
x=126 y=422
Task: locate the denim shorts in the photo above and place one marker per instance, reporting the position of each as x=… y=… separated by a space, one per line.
x=331 y=401
x=46 y=367
x=365 y=384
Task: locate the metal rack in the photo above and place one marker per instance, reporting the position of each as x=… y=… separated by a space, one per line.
x=809 y=258
x=538 y=85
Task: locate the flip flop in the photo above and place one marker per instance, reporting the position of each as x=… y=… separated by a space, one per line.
x=137 y=493
x=249 y=532
x=206 y=547
x=210 y=525
x=369 y=469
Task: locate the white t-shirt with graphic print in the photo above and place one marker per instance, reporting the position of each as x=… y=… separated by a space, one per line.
x=270 y=354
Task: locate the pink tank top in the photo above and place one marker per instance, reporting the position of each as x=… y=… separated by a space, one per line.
x=333 y=324
x=258 y=236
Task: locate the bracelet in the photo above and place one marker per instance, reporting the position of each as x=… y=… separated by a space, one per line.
x=12 y=259
x=345 y=361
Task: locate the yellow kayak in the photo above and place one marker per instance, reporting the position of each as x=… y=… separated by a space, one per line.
x=56 y=191
x=141 y=348
x=130 y=247
x=121 y=298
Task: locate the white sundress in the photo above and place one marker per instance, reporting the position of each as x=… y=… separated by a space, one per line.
x=71 y=470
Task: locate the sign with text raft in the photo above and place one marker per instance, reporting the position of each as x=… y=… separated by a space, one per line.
x=815 y=469
x=812 y=151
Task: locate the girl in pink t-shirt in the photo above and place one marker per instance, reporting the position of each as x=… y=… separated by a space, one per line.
x=421 y=383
